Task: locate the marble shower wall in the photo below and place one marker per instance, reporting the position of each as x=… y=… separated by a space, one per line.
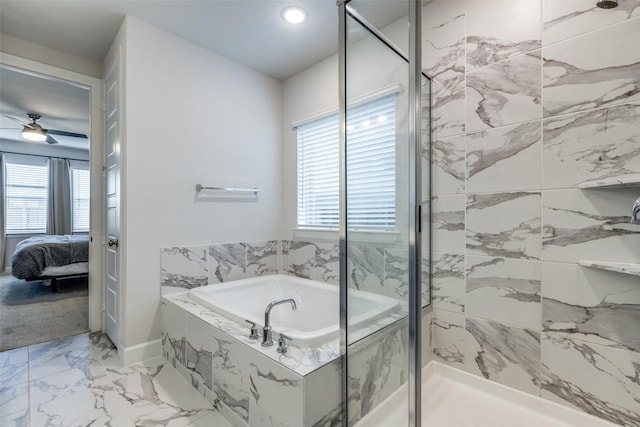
x=532 y=98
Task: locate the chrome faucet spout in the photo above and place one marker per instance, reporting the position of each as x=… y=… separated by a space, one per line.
x=267 y=339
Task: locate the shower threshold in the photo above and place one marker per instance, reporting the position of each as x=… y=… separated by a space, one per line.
x=454 y=398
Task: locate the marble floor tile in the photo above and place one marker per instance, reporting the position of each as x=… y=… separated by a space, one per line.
x=14 y=374
x=13 y=357
x=94 y=390
x=13 y=399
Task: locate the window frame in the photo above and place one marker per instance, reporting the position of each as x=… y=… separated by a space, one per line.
x=24 y=160
x=81 y=166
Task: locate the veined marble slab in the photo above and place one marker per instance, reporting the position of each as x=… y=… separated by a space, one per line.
x=448 y=285
x=448 y=224
x=448 y=107
x=618 y=267
x=184 y=266
x=448 y=165
x=594 y=70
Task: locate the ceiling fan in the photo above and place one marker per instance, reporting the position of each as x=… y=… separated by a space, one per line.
x=34 y=132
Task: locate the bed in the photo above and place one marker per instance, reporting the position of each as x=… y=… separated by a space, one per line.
x=51 y=257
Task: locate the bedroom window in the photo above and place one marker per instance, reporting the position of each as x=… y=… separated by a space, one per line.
x=80 y=199
x=26 y=198
x=371 y=168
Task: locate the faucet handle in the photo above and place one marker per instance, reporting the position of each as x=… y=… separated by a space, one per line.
x=282 y=343
x=254 y=330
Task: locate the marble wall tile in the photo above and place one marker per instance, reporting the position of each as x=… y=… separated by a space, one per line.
x=504 y=290
x=576 y=149
x=227 y=262
x=448 y=282
x=376 y=369
x=504 y=93
x=174 y=340
x=591 y=305
x=563 y=19
x=448 y=224
x=396 y=273
x=427 y=355
x=496 y=32
x=276 y=395
x=598 y=69
x=262 y=258
x=184 y=267
x=365 y=268
x=590 y=225
x=504 y=354
x=448 y=107
x=504 y=225
x=299 y=258
x=449 y=338
x=323 y=396
x=443 y=47
x=199 y=349
x=505 y=159
x=231 y=373
x=599 y=380
x=327 y=263
x=448 y=167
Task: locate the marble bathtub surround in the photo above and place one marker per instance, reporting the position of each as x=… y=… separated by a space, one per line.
x=251 y=382
x=504 y=290
x=610 y=390
x=448 y=167
x=263 y=258
x=174 y=340
x=504 y=159
x=563 y=19
x=585 y=305
x=193 y=266
x=587 y=73
x=184 y=267
x=575 y=151
x=590 y=225
x=504 y=93
x=227 y=262
x=516 y=233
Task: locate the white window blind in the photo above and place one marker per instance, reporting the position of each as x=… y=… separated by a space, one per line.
x=26 y=198
x=371 y=140
x=80 y=197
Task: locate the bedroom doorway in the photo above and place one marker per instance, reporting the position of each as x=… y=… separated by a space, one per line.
x=51 y=222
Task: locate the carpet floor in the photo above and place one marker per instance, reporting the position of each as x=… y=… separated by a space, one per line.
x=30 y=313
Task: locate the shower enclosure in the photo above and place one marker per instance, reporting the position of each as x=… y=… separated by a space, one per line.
x=385 y=201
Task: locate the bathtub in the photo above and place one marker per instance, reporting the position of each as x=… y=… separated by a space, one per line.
x=316 y=320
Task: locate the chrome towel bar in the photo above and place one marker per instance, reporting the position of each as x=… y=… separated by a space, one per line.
x=200 y=187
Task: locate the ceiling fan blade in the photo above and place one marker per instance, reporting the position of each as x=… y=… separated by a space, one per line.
x=20 y=122
x=63 y=133
x=51 y=140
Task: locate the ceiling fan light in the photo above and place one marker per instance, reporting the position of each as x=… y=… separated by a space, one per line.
x=37 y=135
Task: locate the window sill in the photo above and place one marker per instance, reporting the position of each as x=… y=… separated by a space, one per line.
x=358 y=236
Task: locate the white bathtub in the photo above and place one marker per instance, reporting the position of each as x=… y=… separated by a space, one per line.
x=316 y=320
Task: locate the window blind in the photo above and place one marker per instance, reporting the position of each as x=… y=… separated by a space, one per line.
x=26 y=198
x=371 y=160
x=80 y=197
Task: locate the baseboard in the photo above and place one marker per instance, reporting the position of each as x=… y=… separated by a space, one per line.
x=141 y=352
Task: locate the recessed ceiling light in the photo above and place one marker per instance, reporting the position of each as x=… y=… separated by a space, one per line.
x=294 y=15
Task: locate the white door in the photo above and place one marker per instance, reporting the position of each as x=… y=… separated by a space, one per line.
x=112 y=202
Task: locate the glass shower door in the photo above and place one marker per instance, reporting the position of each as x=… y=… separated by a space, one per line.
x=379 y=176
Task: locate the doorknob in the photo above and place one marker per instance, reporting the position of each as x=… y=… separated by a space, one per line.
x=113 y=242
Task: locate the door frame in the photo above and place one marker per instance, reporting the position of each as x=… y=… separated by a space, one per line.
x=96 y=137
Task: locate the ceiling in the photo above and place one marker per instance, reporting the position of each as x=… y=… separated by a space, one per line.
x=250 y=32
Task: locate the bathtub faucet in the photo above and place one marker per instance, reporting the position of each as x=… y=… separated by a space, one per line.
x=266 y=331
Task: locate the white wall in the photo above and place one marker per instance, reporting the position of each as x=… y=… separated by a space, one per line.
x=191 y=117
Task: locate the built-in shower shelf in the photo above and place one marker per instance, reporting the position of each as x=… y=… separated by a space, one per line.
x=628 y=180
x=618 y=267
